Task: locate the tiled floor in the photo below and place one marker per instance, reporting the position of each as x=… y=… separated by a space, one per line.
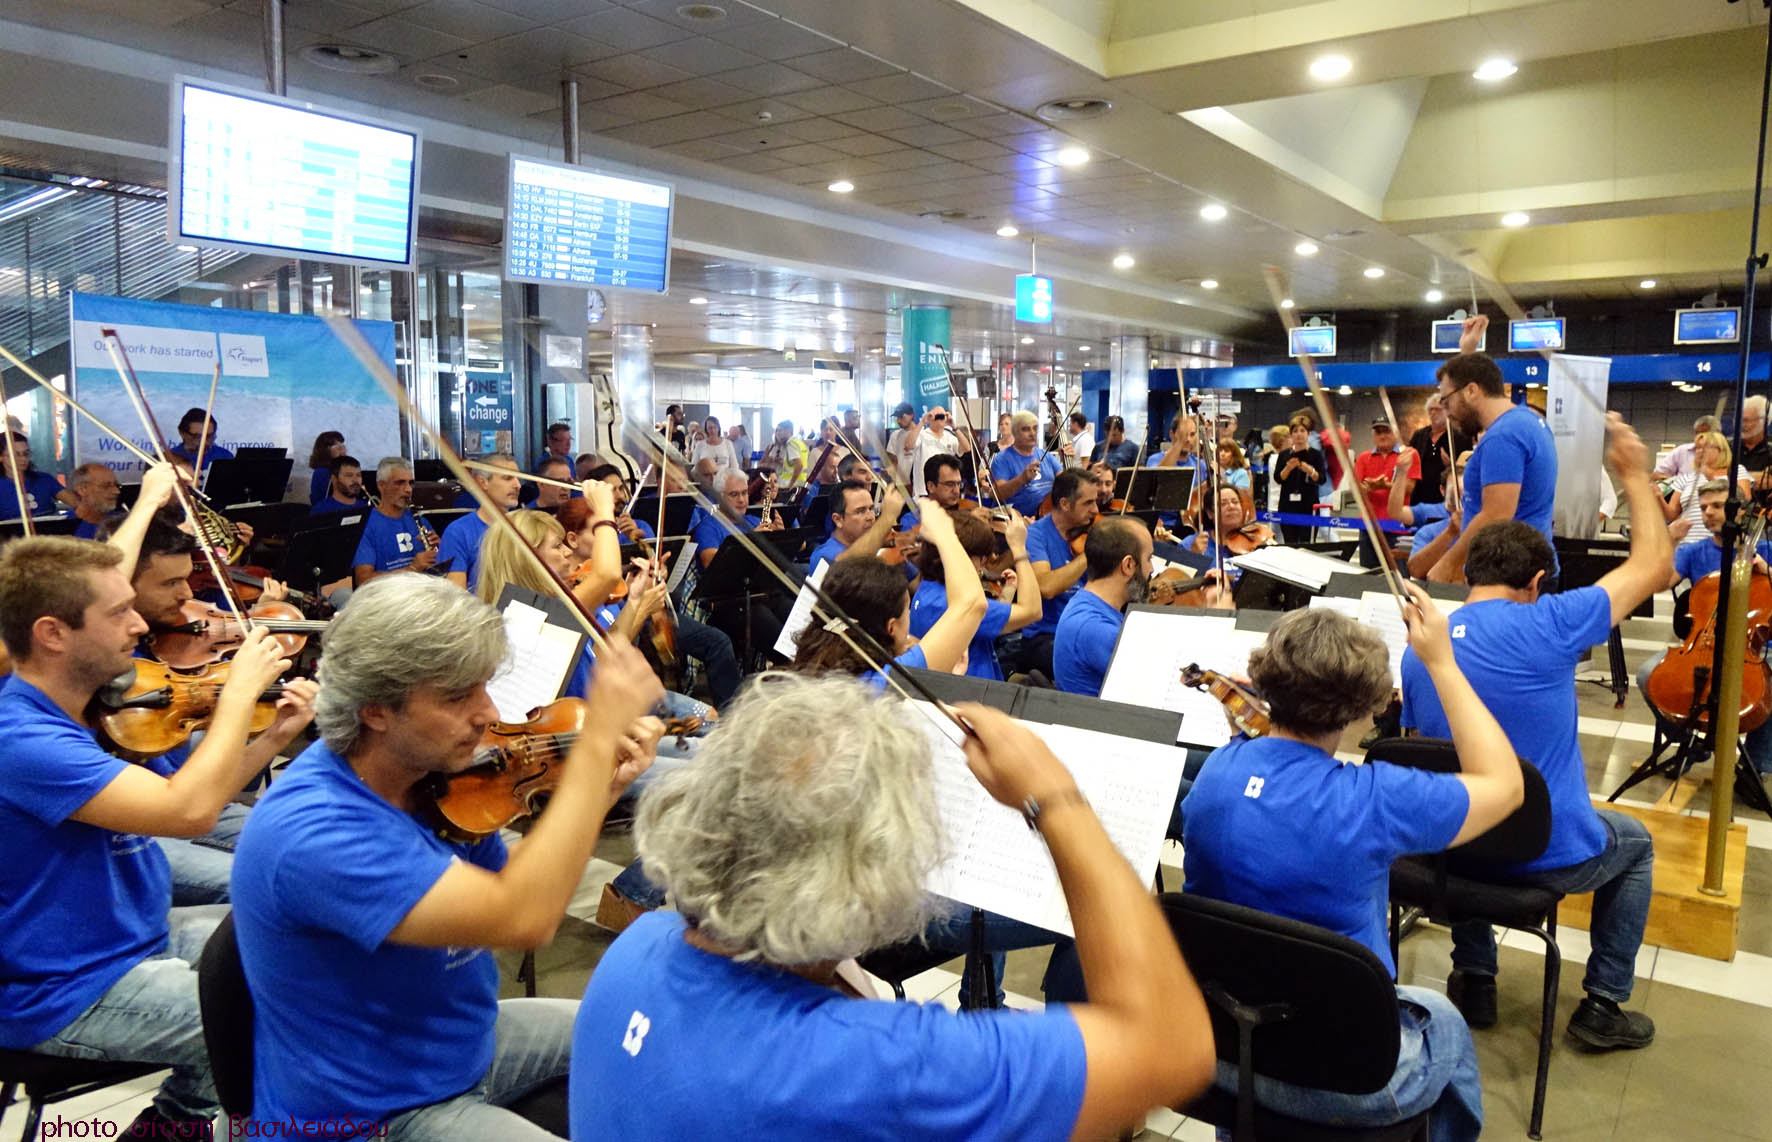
x=1701 y=1080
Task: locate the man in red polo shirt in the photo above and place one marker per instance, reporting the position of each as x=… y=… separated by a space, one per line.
x=1373 y=470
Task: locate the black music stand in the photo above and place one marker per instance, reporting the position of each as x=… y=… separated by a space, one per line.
x=439 y=519
x=1582 y=563
x=14 y=528
x=247 y=481
x=322 y=548
x=735 y=574
x=679 y=509
x=1163 y=490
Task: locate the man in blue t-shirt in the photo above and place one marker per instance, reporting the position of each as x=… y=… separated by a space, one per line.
x=1520 y=651
x=751 y=623
x=1118 y=556
x=1022 y=474
x=460 y=549
x=1278 y=823
x=558 y=439
x=1115 y=450
x=96 y=492
x=736 y=1013
x=1075 y=502
x=364 y=933
x=344 y=487
x=196 y=432
x=40 y=488
x=856 y=524
x=94 y=960
x=392 y=540
x=1512 y=473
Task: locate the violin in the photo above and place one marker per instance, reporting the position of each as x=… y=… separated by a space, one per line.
x=208 y=633
x=1680 y=685
x=1173 y=587
x=1245 y=709
x=156 y=708
x=249 y=583
x=516 y=768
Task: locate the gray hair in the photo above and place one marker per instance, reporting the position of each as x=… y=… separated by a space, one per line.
x=1433 y=401
x=800 y=854
x=1717 y=485
x=389 y=465
x=731 y=475
x=85 y=472
x=1707 y=424
x=1320 y=670
x=1022 y=416
x=1755 y=402
x=399 y=633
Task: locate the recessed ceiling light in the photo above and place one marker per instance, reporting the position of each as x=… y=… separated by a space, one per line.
x=698 y=301
x=11 y=272
x=1071 y=156
x=1284 y=391
x=1287 y=303
x=1331 y=67
x=1646 y=283
x=1213 y=212
x=1494 y=69
x=1083 y=349
x=1515 y=218
x=1346 y=390
x=1374 y=272
x=1209 y=283
x=366 y=289
x=1027 y=340
x=1006 y=230
x=187 y=249
x=702 y=13
x=1434 y=295
x=1305 y=249
x=353 y=58
x=1123 y=261
x=468 y=306
x=841 y=186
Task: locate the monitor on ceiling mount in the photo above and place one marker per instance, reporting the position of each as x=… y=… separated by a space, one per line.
x=269 y=175
x=1707 y=326
x=1311 y=341
x=574 y=226
x=1447 y=333
x=1543 y=334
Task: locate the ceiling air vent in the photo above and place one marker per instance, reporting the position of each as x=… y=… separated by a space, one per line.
x=1073 y=108
x=351 y=58
x=948 y=215
x=702 y=13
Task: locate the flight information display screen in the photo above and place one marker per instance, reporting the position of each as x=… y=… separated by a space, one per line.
x=568 y=225
x=1706 y=326
x=1537 y=335
x=275 y=176
x=1311 y=341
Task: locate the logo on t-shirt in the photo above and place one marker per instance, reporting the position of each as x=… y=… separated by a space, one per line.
x=403 y=540
x=1253 y=789
x=1458 y=631
x=635 y=1038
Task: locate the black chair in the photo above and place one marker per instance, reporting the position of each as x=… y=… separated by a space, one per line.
x=226 y=1004
x=49 y=1079
x=1292 y=1002
x=1451 y=887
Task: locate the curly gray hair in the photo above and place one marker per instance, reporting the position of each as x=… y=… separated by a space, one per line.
x=399 y=633
x=807 y=826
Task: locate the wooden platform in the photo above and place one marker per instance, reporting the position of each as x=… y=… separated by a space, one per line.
x=1680 y=916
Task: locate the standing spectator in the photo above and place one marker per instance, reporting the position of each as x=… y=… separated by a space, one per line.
x=1082 y=442
x=1433 y=451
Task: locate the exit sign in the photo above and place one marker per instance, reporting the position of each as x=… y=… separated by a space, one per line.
x=1033 y=298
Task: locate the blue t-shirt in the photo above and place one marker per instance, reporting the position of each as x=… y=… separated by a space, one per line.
x=1696 y=560
x=327 y=504
x=826 y=552
x=578 y=685
x=1426 y=535
x=1427 y=514
x=388 y=544
x=737 y=1050
x=319 y=485
x=79 y=905
x=1087 y=632
x=1121 y=455
x=1516 y=449
x=211 y=453
x=931 y=602
x=40 y=491
x=460 y=547
x=1520 y=659
x=914 y=658
x=1009 y=464
x=1280 y=826
x=349 y=1025
x=87 y=530
x=708 y=531
x=1046 y=544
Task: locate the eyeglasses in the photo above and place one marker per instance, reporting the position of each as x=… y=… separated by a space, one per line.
x=950 y=483
x=939 y=416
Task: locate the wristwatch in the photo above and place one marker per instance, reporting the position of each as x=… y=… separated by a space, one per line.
x=1033 y=807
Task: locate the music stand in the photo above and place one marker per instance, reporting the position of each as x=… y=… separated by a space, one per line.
x=322 y=548
x=433 y=495
x=679 y=509
x=792 y=545
x=247 y=481
x=260 y=452
x=734 y=573
x=431 y=471
x=14 y=528
x=1154 y=489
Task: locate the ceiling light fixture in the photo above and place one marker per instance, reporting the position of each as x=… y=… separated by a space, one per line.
x=1083 y=349
x=1284 y=391
x=1646 y=283
x=1287 y=303
x=1515 y=218
x=841 y=186
x=1374 y=272
x=1123 y=261
x=1433 y=295
x=835 y=316
x=187 y=249
x=1346 y=390
x=1331 y=67
x=1071 y=156
x=1305 y=249
x=1209 y=283
x=1027 y=340
x=468 y=306
x=366 y=290
x=1493 y=70
x=1007 y=230
x=698 y=301
x=1213 y=212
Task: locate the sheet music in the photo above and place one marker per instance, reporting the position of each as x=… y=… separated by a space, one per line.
x=995 y=862
x=801 y=614
x=1310 y=569
x=1146 y=669
x=685 y=559
x=541 y=658
x=1378 y=610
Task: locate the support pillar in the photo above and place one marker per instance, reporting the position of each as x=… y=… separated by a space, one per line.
x=870 y=397
x=1129 y=383
x=631 y=363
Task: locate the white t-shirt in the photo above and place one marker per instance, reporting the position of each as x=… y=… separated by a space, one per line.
x=1084 y=443
x=895 y=451
x=721 y=452
x=930 y=443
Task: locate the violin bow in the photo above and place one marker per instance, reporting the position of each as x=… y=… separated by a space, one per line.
x=139 y=401
x=208 y=416
x=39 y=379
x=352 y=338
x=961 y=402
x=18 y=477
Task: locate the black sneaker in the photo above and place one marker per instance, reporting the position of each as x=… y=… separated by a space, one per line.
x=1604 y=1026
x=1474 y=996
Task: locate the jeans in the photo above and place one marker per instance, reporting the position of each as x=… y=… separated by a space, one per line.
x=202 y=866
x=1436 y=1070
x=713 y=650
x=1758 y=743
x=151 y=1016
x=1035 y=654
x=1620 y=878
x=533 y=1045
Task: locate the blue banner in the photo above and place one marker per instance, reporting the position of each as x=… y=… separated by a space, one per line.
x=925 y=370
x=284 y=380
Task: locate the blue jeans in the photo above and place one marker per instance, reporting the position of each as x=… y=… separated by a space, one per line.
x=151 y=1016
x=533 y=1045
x=1757 y=746
x=713 y=650
x=1436 y=1069
x=1620 y=877
x=202 y=866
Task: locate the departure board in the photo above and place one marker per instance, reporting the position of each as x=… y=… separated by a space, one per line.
x=569 y=225
x=267 y=175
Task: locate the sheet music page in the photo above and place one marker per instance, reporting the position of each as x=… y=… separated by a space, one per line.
x=1379 y=611
x=801 y=614
x=1294 y=565
x=997 y=863
x=680 y=568
x=1146 y=669
x=1348 y=607
x=541 y=658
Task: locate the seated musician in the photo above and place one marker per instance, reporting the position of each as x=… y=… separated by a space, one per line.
x=1182 y=450
x=1520 y=652
x=1114 y=449
x=1020 y=584
x=734 y=501
x=1023 y=473
x=95 y=961
x=1118 y=556
x=391 y=541
x=1692 y=562
x=326 y=445
x=96 y=492
x=736 y=1012
x=751 y=625
x=1233 y=527
x=630 y=529
x=1278 y=823
x=41 y=489
x=196 y=432
x=460 y=548
x=857 y=526
x=1075 y=501
x=365 y=937
x=1436 y=538
x=549 y=497
x=344 y=487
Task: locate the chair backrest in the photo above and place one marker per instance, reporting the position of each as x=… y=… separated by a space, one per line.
x=226 y=1004
x=1341 y=1033
x=1521 y=836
